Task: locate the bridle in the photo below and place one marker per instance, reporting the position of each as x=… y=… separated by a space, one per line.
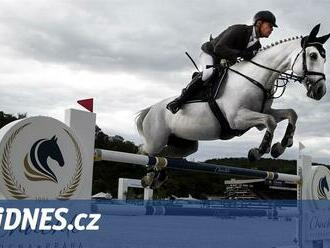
x=306 y=72
x=285 y=77
x=269 y=94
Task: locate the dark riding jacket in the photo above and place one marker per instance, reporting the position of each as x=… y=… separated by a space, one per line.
x=230 y=43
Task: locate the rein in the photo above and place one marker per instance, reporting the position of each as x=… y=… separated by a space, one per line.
x=287 y=75
x=255 y=82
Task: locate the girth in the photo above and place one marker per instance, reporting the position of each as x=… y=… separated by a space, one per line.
x=226 y=131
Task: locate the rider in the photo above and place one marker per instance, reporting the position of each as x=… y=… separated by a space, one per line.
x=236 y=41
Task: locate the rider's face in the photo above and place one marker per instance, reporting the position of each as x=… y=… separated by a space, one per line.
x=265 y=29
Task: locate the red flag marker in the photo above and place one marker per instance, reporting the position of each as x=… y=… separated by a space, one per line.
x=87 y=104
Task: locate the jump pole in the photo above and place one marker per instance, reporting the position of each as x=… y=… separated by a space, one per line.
x=182 y=164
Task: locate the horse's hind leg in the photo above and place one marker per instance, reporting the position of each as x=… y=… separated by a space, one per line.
x=153 y=147
x=155 y=137
x=179 y=148
x=176 y=148
x=154 y=144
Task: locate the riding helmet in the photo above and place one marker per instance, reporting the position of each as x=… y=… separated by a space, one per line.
x=265 y=15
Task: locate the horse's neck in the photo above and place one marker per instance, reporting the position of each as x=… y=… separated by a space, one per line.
x=278 y=57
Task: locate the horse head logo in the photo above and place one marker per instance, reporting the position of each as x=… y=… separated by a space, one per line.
x=36 y=161
x=323 y=185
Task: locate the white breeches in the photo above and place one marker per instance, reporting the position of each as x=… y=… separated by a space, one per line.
x=206 y=59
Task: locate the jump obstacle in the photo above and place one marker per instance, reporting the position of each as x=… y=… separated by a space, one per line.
x=304 y=167
x=160 y=163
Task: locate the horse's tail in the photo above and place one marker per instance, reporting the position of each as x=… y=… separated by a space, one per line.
x=139 y=119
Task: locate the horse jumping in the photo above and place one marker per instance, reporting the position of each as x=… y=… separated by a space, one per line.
x=245 y=99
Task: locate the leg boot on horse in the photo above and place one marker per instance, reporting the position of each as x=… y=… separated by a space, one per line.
x=154 y=179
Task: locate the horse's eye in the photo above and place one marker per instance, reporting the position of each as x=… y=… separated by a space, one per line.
x=313 y=56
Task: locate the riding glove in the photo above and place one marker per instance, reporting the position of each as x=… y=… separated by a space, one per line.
x=247 y=54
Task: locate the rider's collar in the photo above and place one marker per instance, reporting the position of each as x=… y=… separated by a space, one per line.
x=254 y=34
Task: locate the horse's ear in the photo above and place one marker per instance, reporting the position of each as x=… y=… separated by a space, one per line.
x=323 y=39
x=304 y=41
x=314 y=32
x=54 y=138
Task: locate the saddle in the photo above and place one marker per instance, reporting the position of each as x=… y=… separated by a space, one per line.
x=210 y=88
x=208 y=93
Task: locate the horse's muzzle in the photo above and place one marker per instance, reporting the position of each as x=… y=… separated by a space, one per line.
x=317 y=90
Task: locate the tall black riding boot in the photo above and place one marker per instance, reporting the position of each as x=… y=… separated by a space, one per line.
x=195 y=84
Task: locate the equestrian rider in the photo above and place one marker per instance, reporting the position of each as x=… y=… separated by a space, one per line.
x=236 y=41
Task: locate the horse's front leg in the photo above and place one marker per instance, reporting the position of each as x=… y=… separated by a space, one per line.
x=287 y=141
x=245 y=119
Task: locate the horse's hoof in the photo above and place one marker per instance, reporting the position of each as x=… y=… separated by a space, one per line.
x=267 y=150
x=148 y=179
x=160 y=178
x=154 y=179
x=254 y=155
x=287 y=142
x=290 y=142
x=277 y=150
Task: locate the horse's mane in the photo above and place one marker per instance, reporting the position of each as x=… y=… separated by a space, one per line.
x=280 y=42
x=277 y=43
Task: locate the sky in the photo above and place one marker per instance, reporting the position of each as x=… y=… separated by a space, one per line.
x=128 y=55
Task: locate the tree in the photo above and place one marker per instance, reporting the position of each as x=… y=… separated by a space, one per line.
x=7 y=118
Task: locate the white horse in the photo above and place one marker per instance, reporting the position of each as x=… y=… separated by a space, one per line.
x=242 y=102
